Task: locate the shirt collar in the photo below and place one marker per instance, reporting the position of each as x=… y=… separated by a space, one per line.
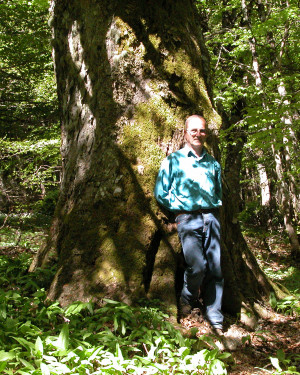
x=189 y=152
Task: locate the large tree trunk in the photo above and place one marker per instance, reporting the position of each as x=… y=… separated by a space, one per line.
x=128 y=73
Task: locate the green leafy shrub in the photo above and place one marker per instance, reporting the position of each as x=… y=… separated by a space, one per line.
x=262 y=216
x=289 y=305
x=250 y=213
x=28 y=168
x=47 y=205
x=40 y=337
x=285 y=364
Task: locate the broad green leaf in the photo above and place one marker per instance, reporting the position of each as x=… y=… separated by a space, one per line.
x=50 y=358
x=110 y=301
x=3 y=310
x=39 y=347
x=45 y=369
x=119 y=353
x=224 y=355
x=116 y=324
x=77 y=307
x=59 y=368
x=194 y=331
x=217 y=367
x=5 y=356
x=27 y=344
x=123 y=327
x=281 y=355
x=95 y=353
x=27 y=364
x=273 y=300
x=183 y=351
x=2 y=365
x=63 y=339
x=275 y=363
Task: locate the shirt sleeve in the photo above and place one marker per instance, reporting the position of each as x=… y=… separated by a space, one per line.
x=164 y=183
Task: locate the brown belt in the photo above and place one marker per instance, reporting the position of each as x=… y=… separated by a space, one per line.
x=199 y=211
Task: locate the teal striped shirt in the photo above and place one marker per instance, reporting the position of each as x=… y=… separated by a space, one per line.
x=186 y=182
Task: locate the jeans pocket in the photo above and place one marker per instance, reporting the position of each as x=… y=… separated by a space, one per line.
x=182 y=218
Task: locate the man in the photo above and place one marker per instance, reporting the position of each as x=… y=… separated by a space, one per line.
x=189 y=185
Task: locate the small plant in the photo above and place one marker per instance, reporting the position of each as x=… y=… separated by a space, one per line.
x=285 y=364
x=289 y=305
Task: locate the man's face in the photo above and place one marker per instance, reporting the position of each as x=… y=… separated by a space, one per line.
x=195 y=133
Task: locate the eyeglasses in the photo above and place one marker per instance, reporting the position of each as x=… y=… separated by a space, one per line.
x=197 y=131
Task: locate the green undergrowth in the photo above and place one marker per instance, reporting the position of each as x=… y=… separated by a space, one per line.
x=22 y=231
x=273 y=254
x=38 y=336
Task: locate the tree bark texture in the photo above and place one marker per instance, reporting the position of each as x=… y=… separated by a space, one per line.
x=128 y=74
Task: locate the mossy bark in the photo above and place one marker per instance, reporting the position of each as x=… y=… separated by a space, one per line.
x=128 y=73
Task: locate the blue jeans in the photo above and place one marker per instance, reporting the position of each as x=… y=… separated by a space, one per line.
x=199 y=234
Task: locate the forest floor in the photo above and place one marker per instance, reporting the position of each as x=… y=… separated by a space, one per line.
x=276 y=336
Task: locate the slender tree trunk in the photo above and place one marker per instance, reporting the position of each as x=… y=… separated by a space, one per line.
x=128 y=74
x=285 y=187
x=264 y=185
x=288 y=187
x=285 y=200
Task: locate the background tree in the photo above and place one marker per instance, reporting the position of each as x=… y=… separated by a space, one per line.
x=29 y=128
x=127 y=76
x=253 y=48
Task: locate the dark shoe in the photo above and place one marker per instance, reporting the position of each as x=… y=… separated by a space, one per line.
x=218 y=331
x=184 y=309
